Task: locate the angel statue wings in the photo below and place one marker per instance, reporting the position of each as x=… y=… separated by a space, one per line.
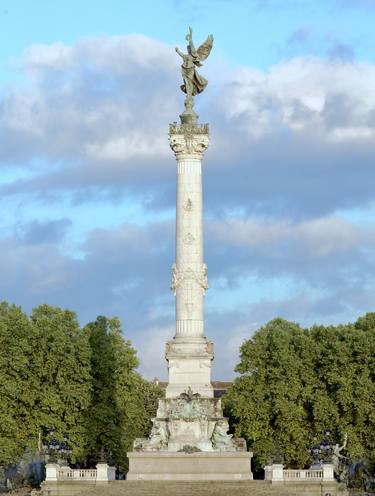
x=194 y=83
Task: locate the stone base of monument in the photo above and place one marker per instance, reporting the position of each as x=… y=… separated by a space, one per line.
x=164 y=465
x=189 y=440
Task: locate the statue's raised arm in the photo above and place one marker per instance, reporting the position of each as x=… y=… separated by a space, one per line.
x=194 y=83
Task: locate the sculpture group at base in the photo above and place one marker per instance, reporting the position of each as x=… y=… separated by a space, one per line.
x=190 y=422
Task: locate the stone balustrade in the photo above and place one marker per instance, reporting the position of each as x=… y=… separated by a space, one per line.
x=102 y=473
x=296 y=475
x=66 y=473
x=276 y=473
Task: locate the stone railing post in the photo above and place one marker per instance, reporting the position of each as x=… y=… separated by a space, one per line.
x=274 y=472
x=102 y=472
x=111 y=473
x=51 y=471
x=105 y=473
x=328 y=473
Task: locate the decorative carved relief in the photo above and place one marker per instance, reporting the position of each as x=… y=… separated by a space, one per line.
x=189 y=413
x=176 y=128
x=188 y=239
x=189 y=308
x=178 y=277
x=189 y=406
x=188 y=138
x=188 y=206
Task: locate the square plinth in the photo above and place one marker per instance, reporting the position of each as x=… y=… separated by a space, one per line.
x=163 y=465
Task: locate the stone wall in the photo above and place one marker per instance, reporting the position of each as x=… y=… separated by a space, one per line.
x=162 y=488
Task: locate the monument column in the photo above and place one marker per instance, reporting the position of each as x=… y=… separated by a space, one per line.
x=189 y=273
x=189 y=438
x=189 y=354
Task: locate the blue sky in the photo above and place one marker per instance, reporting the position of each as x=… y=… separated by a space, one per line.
x=256 y=32
x=87 y=182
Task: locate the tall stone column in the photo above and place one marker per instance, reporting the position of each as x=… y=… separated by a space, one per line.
x=189 y=354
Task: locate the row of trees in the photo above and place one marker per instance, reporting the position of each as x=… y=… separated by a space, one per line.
x=295 y=383
x=58 y=379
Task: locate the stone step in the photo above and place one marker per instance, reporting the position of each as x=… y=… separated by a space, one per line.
x=210 y=488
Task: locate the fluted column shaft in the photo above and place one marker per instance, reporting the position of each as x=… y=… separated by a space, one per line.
x=189 y=274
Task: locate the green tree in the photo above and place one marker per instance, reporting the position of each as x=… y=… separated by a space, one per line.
x=121 y=401
x=61 y=364
x=147 y=394
x=345 y=372
x=296 y=382
x=271 y=400
x=18 y=387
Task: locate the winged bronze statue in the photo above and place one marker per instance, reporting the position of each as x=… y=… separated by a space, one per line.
x=194 y=83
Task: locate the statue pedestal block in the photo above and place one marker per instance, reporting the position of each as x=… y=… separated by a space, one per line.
x=164 y=465
x=189 y=364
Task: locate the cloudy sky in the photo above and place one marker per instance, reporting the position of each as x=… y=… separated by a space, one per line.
x=87 y=183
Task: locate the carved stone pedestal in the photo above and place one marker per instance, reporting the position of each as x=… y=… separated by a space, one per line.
x=189 y=365
x=189 y=425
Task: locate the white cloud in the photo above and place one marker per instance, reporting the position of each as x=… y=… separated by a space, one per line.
x=41 y=57
x=101 y=100
x=125 y=148
x=318 y=237
x=302 y=93
x=122 y=54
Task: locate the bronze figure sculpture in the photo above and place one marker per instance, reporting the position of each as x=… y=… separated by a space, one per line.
x=194 y=83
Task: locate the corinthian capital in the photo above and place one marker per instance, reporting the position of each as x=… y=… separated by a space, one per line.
x=188 y=139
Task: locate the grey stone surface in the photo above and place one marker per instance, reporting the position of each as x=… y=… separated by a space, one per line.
x=196 y=488
x=193 y=466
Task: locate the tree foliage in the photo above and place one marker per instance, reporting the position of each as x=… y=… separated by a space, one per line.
x=295 y=383
x=17 y=383
x=59 y=380
x=61 y=366
x=121 y=401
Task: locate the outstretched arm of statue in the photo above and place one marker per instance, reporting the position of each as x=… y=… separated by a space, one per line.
x=179 y=52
